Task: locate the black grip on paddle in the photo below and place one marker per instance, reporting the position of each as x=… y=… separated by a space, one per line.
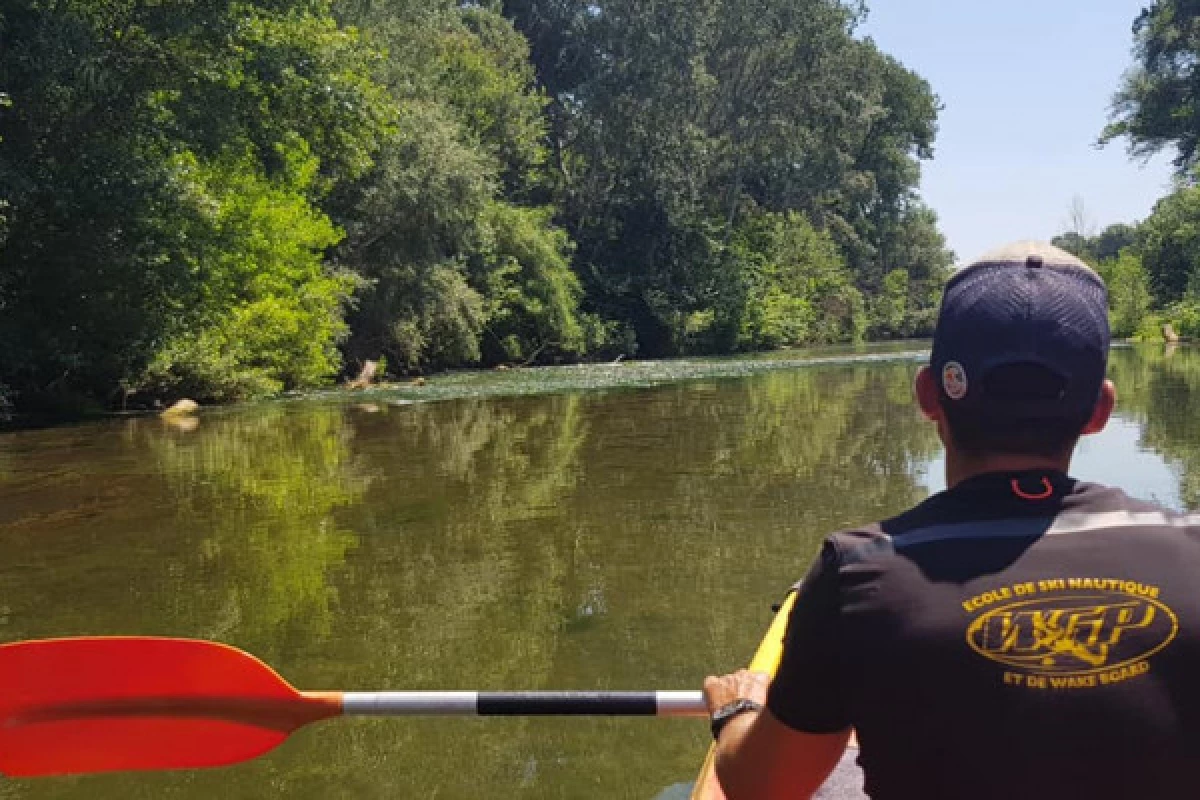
x=504 y=704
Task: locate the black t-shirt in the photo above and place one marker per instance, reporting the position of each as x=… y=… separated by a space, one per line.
x=1018 y=636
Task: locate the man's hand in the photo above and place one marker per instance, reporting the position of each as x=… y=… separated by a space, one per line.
x=720 y=692
x=758 y=757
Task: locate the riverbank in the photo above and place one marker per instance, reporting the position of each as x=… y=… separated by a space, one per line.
x=518 y=381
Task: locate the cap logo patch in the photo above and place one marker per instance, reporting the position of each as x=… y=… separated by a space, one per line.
x=954 y=380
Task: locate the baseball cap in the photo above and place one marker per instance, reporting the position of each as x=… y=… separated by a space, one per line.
x=1022 y=335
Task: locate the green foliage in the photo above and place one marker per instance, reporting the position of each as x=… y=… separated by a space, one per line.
x=671 y=122
x=607 y=338
x=142 y=140
x=1157 y=104
x=410 y=224
x=1149 y=329
x=889 y=306
x=457 y=271
x=1104 y=246
x=1109 y=243
x=1169 y=243
x=915 y=247
x=1185 y=317
x=224 y=198
x=433 y=317
x=531 y=294
x=1128 y=293
x=260 y=348
x=266 y=314
x=798 y=290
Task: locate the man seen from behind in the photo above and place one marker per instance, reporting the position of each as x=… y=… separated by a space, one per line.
x=1021 y=634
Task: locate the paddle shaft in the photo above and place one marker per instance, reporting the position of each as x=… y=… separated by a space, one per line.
x=510 y=704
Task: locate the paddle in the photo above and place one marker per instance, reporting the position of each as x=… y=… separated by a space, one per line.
x=99 y=704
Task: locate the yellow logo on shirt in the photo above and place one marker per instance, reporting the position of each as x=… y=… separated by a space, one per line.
x=1071 y=633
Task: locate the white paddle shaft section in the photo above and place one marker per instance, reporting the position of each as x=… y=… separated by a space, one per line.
x=417 y=704
x=681 y=704
x=392 y=704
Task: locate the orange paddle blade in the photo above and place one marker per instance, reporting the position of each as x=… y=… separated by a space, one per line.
x=139 y=703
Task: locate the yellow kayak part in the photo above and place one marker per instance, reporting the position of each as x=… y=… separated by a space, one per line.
x=766 y=659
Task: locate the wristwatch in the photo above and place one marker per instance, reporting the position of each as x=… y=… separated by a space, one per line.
x=725 y=713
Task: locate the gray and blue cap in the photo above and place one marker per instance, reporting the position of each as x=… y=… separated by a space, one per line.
x=1022 y=335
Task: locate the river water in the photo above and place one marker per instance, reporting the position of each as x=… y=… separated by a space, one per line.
x=607 y=527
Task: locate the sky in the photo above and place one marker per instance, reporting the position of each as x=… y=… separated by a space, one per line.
x=1026 y=87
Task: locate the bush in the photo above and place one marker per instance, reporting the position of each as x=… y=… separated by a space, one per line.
x=531 y=296
x=888 y=314
x=1150 y=329
x=436 y=318
x=797 y=287
x=268 y=315
x=1128 y=293
x=1185 y=316
x=261 y=348
x=607 y=338
x=200 y=366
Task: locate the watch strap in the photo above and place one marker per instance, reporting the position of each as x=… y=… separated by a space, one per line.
x=727 y=712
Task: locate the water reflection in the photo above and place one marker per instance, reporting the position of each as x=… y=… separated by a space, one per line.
x=1159 y=388
x=628 y=538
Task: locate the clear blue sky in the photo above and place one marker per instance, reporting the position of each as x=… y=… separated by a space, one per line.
x=1026 y=86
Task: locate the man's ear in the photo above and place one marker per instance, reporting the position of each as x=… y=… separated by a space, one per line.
x=926 y=390
x=1103 y=410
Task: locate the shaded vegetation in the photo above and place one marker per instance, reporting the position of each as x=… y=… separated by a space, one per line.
x=236 y=198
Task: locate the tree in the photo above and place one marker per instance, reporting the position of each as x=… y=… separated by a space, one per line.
x=227 y=198
x=1109 y=243
x=1104 y=246
x=1169 y=244
x=1074 y=244
x=795 y=286
x=459 y=266
x=267 y=315
x=676 y=124
x=1128 y=293
x=1158 y=102
x=134 y=128
x=1079 y=222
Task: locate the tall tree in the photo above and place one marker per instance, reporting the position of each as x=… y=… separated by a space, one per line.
x=134 y=128
x=675 y=124
x=461 y=263
x=1169 y=244
x=1158 y=102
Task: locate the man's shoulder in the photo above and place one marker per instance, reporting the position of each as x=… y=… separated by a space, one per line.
x=1095 y=506
x=1100 y=497
x=1085 y=503
x=858 y=543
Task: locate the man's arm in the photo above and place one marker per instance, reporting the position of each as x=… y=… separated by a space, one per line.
x=789 y=748
x=760 y=758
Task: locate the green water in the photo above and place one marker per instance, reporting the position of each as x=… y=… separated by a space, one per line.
x=605 y=527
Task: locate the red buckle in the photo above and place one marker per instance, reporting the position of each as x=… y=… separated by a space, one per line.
x=1046 y=493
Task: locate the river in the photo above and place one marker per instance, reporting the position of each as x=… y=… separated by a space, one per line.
x=607 y=527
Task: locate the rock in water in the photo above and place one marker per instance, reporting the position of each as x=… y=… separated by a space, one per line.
x=182 y=408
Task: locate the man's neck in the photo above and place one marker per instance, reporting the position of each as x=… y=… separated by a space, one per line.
x=961 y=467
